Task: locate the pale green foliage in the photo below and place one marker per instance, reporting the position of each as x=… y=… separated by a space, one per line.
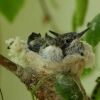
x=10 y=8
x=79 y=14
x=93 y=36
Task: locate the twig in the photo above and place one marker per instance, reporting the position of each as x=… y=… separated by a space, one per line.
x=47 y=15
x=45 y=9
x=8 y=64
x=1 y=94
x=16 y=69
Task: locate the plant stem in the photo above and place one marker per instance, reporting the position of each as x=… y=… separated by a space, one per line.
x=47 y=15
x=1 y=94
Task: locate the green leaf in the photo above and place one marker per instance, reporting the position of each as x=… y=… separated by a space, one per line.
x=93 y=36
x=10 y=8
x=54 y=3
x=98 y=94
x=79 y=14
x=67 y=87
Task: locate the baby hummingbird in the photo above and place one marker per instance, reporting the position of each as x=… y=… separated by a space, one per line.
x=57 y=47
x=69 y=42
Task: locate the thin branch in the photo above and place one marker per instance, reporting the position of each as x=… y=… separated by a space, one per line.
x=8 y=64
x=1 y=94
x=26 y=75
x=47 y=15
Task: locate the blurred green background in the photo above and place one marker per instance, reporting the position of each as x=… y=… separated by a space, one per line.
x=32 y=16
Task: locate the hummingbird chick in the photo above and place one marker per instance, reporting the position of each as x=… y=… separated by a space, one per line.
x=35 y=42
x=66 y=41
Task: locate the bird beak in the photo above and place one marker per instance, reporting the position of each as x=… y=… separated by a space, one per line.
x=78 y=35
x=54 y=33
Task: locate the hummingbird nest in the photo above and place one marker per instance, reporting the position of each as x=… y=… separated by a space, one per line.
x=50 y=55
